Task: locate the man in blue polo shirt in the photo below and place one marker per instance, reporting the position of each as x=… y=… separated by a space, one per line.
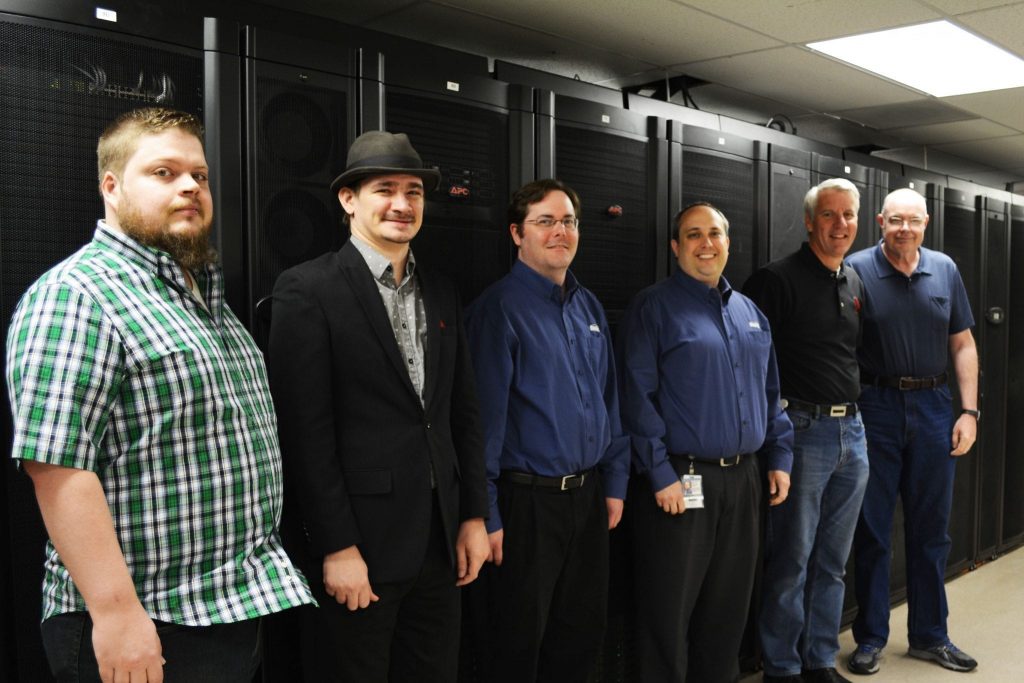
x=700 y=394
x=557 y=460
x=916 y=316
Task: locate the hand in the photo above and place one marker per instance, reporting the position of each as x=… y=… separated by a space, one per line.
x=127 y=646
x=670 y=499
x=615 y=506
x=471 y=550
x=495 y=538
x=778 y=486
x=965 y=431
x=347 y=579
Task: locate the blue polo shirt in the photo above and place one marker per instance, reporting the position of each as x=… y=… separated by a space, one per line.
x=546 y=379
x=698 y=376
x=908 y=320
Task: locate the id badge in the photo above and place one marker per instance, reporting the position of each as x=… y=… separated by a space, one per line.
x=693 y=491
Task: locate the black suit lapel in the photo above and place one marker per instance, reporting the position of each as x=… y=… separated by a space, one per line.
x=354 y=267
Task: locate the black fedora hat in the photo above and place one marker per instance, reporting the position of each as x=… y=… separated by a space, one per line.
x=378 y=152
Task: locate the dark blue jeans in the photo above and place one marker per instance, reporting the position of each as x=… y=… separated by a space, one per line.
x=909 y=440
x=222 y=653
x=807 y=543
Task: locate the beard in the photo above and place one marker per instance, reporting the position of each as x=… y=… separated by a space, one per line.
x=190 y=248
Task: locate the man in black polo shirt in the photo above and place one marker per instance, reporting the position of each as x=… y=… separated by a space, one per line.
x=812 y=300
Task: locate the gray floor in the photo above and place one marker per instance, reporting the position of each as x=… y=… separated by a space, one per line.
x=986 y=620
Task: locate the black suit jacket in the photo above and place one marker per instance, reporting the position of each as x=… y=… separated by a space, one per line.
x=357 y=444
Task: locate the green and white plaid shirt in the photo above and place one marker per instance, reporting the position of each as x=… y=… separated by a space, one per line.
x=114 y=367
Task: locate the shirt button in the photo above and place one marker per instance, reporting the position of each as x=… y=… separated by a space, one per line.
x=428 y=425
x=410 y=361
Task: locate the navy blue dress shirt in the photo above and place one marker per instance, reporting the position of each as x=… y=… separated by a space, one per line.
x=546 y=377
x=699 y=377
x=908 y=320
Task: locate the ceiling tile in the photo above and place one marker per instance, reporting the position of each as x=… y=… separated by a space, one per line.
x=658 y=31
x=1002 y=106
x=496 y=39
x=1003 y=26
x=956 y=131
x=926 y=110
x=802 y=77
x=964 y=6
x=800 y=22
x=1004 y=152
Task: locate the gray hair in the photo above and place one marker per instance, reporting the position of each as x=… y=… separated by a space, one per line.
x=840 y=184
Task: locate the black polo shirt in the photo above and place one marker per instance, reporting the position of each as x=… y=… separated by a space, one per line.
x=815 y=318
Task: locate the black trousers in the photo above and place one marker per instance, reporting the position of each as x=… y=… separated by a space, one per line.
x=222 y=653
x=694 y=574
x=547 y=604
x=410 y=634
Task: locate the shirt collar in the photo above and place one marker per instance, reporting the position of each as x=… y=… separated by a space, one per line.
x=885 y=269
x=701 y=291
x=543 y=287
x=380 y=265
x=811 y=260
x=160 y=264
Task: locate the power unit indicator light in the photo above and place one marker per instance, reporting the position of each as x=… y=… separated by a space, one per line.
x=846 y=169
x=721 y=141
x=453 y=86
x=106 y=14
x=605 y=118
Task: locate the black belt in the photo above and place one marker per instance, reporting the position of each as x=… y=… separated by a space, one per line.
x=684 y=460
x=903 y=383
x=566 y=483
x=823 y=409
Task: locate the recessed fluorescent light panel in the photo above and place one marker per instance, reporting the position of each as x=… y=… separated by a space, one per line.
x=938 y=58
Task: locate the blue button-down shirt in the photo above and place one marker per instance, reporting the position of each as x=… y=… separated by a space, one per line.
x=699 y=377
x=546 y=377
x=908 y=320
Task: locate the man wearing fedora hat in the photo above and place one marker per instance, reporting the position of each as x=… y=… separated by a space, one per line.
x=380 y=433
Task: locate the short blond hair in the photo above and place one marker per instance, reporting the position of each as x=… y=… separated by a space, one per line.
x=119 y=140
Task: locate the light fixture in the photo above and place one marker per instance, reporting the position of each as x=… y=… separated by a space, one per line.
x=938 y=58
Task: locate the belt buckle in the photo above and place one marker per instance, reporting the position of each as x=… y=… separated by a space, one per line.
x=735 y=461
x=907 y=383
x=569 y=477
x=837 y=411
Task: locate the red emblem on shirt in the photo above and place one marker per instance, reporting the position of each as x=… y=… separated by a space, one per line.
x=441 y=325
x=856 y=304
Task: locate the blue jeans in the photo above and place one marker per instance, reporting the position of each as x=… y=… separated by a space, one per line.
x=222 y=653
x=808 y=540
x=909 y=438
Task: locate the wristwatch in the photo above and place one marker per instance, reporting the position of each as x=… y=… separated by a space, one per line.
x=975 y=413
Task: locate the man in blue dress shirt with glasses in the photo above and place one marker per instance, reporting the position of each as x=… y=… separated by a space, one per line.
x=557 y=460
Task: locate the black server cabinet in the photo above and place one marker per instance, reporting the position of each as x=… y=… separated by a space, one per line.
x=66 y=74
x=477 y=131
x=1013 y=481
x=298 y=119
x=990 y=324
x=962 y=241
x=732 y=173
x=617 y=161
x=872 y=184
x=789 y=178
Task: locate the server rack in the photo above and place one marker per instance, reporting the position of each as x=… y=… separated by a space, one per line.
x=478 y=132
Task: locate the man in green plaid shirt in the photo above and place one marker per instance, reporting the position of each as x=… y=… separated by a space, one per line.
x=142 y=415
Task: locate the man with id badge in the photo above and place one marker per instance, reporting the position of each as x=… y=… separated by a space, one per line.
x=700 y=396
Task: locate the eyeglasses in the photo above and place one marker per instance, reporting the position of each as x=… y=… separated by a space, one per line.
x=898 y=221
x=569 y=222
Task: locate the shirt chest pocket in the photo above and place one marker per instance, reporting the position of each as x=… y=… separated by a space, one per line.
x=939 y=312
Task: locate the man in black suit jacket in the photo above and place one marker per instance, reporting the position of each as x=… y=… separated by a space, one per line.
x=379 y=433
